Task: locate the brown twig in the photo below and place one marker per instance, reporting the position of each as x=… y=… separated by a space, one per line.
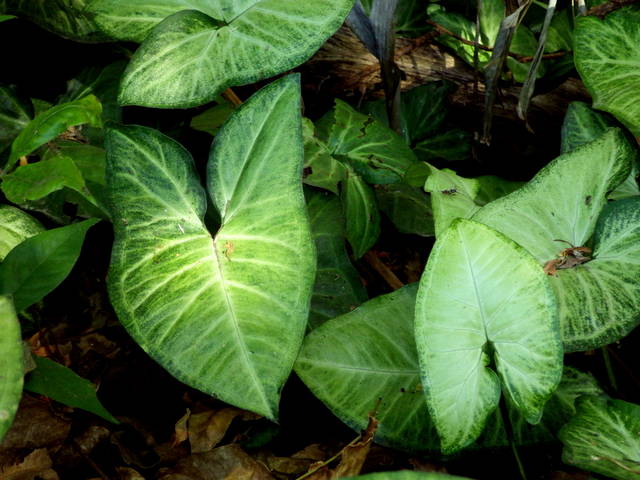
x=230 y=96
x=606 y=8
x=385 y=272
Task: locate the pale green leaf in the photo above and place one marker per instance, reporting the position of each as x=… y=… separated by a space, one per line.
x=483 y=299
x=354 y=360
x=453 y=196
x=53 y=122
x=15 y=227
x=190 y=57
x=11 y=364
x=409 y=208
x=374 y=151
x=41 y=262
x=603 y=437
x=225 y=314
x=67 y=18
x=63 y=385
x=563 y=202
x=607 y=56
x=361 y=213
x=338 y=288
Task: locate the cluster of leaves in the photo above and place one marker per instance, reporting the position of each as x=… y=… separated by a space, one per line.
x=232 y=285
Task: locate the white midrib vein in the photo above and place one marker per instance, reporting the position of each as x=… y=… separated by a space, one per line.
x=234 y=320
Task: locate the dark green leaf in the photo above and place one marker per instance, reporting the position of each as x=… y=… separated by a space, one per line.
x=452 y=145
x=63 y=385
x=38 y=264
x=409 y=208
x=361 y=213
x=15 y=114
x=320 y=168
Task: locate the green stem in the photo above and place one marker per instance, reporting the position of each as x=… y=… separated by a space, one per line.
x=609 y=367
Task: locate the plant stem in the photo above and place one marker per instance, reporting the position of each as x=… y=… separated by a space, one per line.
x=506 y=421
x=609 y=367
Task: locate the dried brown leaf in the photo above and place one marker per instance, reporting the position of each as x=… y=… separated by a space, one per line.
x=36 y=464
x=207 y=429
x=181 y=431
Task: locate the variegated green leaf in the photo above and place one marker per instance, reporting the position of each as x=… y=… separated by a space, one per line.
x=191 y=56
x=361 y=213
x=11 y=368
x=603 y=437
x=607 y=56
x=321 y=169
x=366 y=356
x=225 y=314
x=486 y=321
x=15 y=227
x=562 y=204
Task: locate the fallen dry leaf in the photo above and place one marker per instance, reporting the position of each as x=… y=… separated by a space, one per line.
x=36 y=464
x=180 y=431
x=207 y=429
x=229 y=462
x=125 y=473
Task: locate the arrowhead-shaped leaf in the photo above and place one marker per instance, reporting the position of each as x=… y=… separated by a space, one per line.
x=603 y=437
x=366 y=356
x=607 y=56
x=484 y=299
x=191 y=56
x=563 y=202
x=225 y=314
x=10 y=364
x=15 y=226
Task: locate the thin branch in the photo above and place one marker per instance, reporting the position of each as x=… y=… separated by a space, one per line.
x=606 y=8
x=384 y=271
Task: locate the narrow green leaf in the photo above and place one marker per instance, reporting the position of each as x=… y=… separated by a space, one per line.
x=15 y=227
x=366 y=356
x=48 y=125
x=37 y=180
x=484 y=299
x=11 y=364
x=40 y=263
x=63 y=385
x=190 y=57
x=4 y=18
x=15 y=114
x=453 y=196
x=225 y=314
x=338 y=288
x=603 y=437
x=67 y=18
x=361 y=213
x=374 y=151
x=409 y=208
x=321 y=169
x=593 y=310
x=607 y=56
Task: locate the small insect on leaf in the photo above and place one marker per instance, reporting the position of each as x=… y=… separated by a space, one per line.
x=450 y=191
x=228 y=249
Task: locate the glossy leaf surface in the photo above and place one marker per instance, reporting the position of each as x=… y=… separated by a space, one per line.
x=361 y=213
x=224 y=314
x=190 y=57
x=593 y=308
x=607 y=56
x=40 y=263
x=603 y=437
x=484 y=299
x=15 y=227
x=63 y=385
x=11 y=364
x=352 y=361
x=51 y=123
x=338 y=288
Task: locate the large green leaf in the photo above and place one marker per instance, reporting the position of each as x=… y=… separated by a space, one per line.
x=361 y=213
x=225 y=314
x=367 y=355
x=15 y=227
x=67 y=18
x=409 y=208
x=338 y=288
x=406 y=475
x=607 y=56
x=582 y=125
x=63 y=385
x=563 y=202
x=15 y=114
x=37 y=265
x=53 y=122
x=603 y=437
x=10 y=364
x=375 y=151
x=453 y=196
x=484 y=299
x=190 y=57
